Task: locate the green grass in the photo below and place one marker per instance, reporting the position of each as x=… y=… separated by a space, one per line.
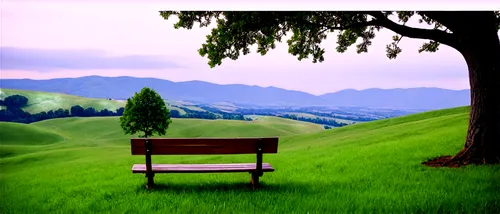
x=312 y=116
x=181 y=111
x=225 y=106
x=15 y=134
x=187 y=105
x=85 y=167
x=44 y=101
x=195 y=108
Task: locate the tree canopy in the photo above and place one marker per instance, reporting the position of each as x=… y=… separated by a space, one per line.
x=77 y=110
x=15 y=101
x=236 y=31
x=145 y=112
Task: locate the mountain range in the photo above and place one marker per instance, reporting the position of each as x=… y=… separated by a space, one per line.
x=204 y=92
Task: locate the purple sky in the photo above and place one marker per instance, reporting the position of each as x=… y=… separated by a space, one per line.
x=56 y=39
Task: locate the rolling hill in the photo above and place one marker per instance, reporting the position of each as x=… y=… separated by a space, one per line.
x=106 y=131
x=415 y=98
x=363 y=168
x=43 y=101
x=121 y=88
x=46 y=101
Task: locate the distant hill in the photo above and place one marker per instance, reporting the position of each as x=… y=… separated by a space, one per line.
x=416 y=98
x=198 y=91
x=44 y=101
x=204 y=92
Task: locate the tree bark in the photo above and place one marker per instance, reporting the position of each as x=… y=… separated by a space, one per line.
x=480 y=46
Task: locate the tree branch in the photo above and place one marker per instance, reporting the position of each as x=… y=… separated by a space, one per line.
x=355 y=25
x=417 y=33
x=451 y=23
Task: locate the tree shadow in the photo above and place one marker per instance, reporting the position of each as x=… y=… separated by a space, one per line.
x=225 y=187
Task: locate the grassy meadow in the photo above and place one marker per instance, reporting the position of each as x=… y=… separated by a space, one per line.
x=44 y=101
x=312 y=116
x=83 y=165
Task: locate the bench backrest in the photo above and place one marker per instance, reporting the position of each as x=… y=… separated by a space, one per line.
x=188 y=146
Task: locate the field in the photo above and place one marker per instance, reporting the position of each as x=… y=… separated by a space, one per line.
x=306 y=115
x=43 y=101
x=83 y=165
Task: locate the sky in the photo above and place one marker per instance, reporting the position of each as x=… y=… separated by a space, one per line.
x=56 y=39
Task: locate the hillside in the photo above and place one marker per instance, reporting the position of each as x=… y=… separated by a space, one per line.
x=43 y=101
x=22 y=134
x=46 y=101
x=415 y=98
x=369 y=167
x=204 y=92
x=102 y=131
x=109 y=127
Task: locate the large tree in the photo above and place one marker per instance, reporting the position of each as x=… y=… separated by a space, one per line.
x=473 y=34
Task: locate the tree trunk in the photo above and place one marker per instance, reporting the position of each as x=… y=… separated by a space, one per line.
x=480 y=46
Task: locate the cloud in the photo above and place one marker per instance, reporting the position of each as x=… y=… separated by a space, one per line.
x=13 y=58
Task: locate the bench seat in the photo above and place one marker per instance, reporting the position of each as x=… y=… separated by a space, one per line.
x=200 y=168
x=203 y=146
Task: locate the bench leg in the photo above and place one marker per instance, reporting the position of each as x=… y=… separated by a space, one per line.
x=151 y=181
x=255 y=180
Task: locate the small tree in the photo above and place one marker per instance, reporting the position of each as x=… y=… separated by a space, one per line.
x=77 y=110
x=15 y=101
x=145 y=112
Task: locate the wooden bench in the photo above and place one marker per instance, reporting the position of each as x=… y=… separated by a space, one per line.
x=200 y=146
